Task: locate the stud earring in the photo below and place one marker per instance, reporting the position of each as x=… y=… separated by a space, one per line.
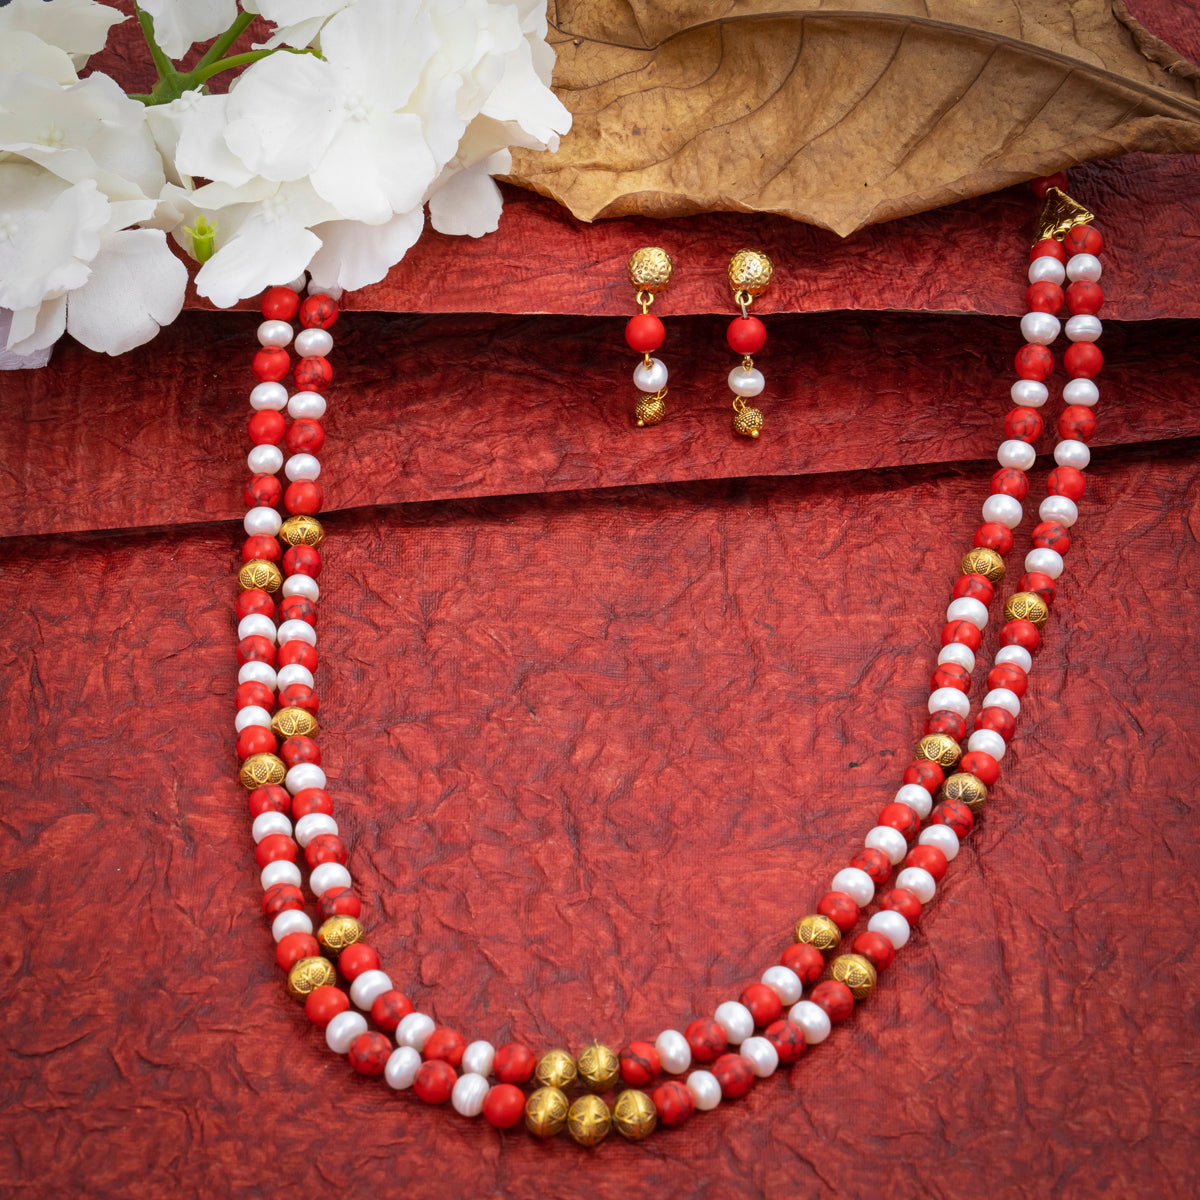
x=750 y=274
x=649 y=273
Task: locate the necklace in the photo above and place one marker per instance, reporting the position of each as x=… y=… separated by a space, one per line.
x=717 y=1057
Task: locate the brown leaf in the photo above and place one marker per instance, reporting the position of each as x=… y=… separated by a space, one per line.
x=846 y=117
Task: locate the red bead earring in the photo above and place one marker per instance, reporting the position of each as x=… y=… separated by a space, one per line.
x=649 y=273
x=750 y=274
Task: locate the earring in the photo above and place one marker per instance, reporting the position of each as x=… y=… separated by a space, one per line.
x=750 y=273
x=649 y=273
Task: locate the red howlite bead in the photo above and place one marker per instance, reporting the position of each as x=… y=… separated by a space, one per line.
x=267 y=428
x=298 y=750
x=340 y=902
x=271 y=364
x=1083 y=239
x=504 y=1106
x=299 y=695
x=955 y=815
x=313 y=374
x=282 y=897
x=1066 y=481
x=435 y=1081
x=298 y=608
x=928 y=774
x=991 y=535
x=982 y=765
x=369 y=1053
x=1052 y=535
x=302 y=560
x=1044 y=296
x=974 y=587
x=389 y=1009
x=295 y=946
x=947 y=722
x=312 y=800
x=261 y=545
x=675 y=1103
x=746 y=335
x=1023 y=424
x=835 y=998
x=1078 y=422
x=874 y=862
x=253 y=693
x=254 y=739
x=445 y=1044
x=707 y=1040
x=1083 y=360
x=840 y=908
x=639 y=1064
x=255 y=600
x=764 y=1004
x=1044 y=183
x=356 y=959
x=901 y=818
x=950 y=675
x=1038 y=583
x=318 y=312
x=324 y=1003
x=263 y=491
x=305 y=435
x=1020 y=633
x=901 y=900
x=930 y=858
x=325 y=847
x=1032 y=362
x=514 y=1063
x=1048 y=248
x=304 y=497
x=998 y=720
x=735 y=1075
x=1085 y=297
x=807 y=961
x=1008 y=675
x=279 y=304
x=269 y=798
x=644 y=333
x=875 y=948
x=300 y=653
x=962 y=632
x=275 y=847
x=1009 y=481
x=788 y=1039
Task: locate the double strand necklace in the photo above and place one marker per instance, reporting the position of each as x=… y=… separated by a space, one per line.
x=815 y=984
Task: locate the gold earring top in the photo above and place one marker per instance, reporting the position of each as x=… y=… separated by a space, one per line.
x=650 y=269
x=750 y=271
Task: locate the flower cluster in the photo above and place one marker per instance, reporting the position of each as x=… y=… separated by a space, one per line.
x=340 y=130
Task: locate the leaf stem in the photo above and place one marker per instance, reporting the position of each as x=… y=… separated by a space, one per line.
x=199 y=75
x=162 y=63
x=217 y=50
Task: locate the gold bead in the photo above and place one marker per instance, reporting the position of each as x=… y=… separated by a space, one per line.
x=650 y=410
x=546 y=1112
x=1027 y=606
x=940 y=748
x=258 y=573
x=309 y=974
x=819 y=931
x=650 y=269
x=966 y=788
x=261 y=769
x=555 y=1069
x=294 y=722
x=982 y=561
x=598 y=1067
x=588 y=1120
x=302 y=530
x=747 y=421
x=856 y=973
x=634 y=1115
x=339 y=932
x=750 y=271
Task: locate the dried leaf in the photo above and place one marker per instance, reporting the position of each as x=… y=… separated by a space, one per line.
x=846 y=117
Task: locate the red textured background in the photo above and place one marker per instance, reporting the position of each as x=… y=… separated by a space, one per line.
x=603 y=709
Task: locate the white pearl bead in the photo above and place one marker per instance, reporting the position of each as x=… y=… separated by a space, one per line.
x=257 y=672
x=652 y=378
x=368 y=987
x=989 y=741
x=949 y=699
x=916 y=797
x=267 y=823
x=414 y=1030
x=1084 y=328
x=478 y=1058
x=784 y=982
x=893 y=926
x=1002 y=698
x=967 y=608
x=297 y=631
x=1040 y=328
x=470 y=1091
x=307 y=404
x=324 y=289
x=956 y=652
x=301 y=466
x=304 y=775
x=274 y=333
x=268 y=395
x=1016 y=655
x=705 y=1089
x=262 y=520
x=311 y=342
x=279 y=871
x=291 y=921
x=813 y=1020
x=1043 y=559
x=402 y=1068
x=301 y=585
x=1003 y=508
x=1046 y=268
x=858 y=885
x=326 y=876
x=1059 y=508
x=941 y=836
x=762 y=1056
x=294 y=673
x=1070 y=453
x=890 y=841
x=674 y=1053
x=313 y=825
x=256 y=625
x=1081 y=391
x=343 y=1030
x=264 y=460
x=918 y=881
x=736 y=1020
x=1029 y=393
x=746 y=383
x=1014 y=453
x=1083 y=266
x=252 y=714
x=298 y=284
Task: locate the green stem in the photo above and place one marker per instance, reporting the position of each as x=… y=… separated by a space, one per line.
x=161 y=62
x=198 y=76
x=231 y=35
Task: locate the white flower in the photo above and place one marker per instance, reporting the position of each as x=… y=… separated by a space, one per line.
x=22 y=51
x=78 y=27
x=180 y=23
x=298 y=21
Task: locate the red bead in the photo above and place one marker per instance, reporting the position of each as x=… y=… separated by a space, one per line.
x=271 y=364
x=281 y=897
x=955 y=815
x=1066 y=481
x=1077 y=422
x=998 y=720
x=435 y=1081
x=324 y=1003
x=312 y=374
x=874 y=862
x=311 y=800
x=1083 y=239
x=356 y=959
x=875 y=948
x=340 y=902
x=269 y=798
x=369 y=1053
x=298 y=652
x=275 y=847
x=644 y=333
x=962 y=632
x=255 y=739
x=263 y=491
x=835 y=998
x=951 y=675
x=991 y=535
x=261 y=545
x=299 y=695
x=1009 y=481
x=974 y=587
x=928 y=774
x=253 y=693
x=279 y=304
x=389 y=1009
x=1048 y=248
x=901 y=818
x=1020 y=633
x=982 y=765
x=947 y=722
x=1044 y=296
x=445 y=1044
x=639 y=1064
x=1085 y=297
x=788 y=1039
x=267 y=428
x=930 y=858
x=318 y=312
x=735 y=1075
x=298 y=750
x=514 y=1063
x=295 y=946
x=1052 y=535
x=255 y=600
x=675 y=1103
x=1008 y=675
x=1038 y=583
x=1044 y=183
x=1023 y=424
x=1032 y=362
x=807 y=961
x=764 y=1004
x=305 y=435
x=504 y=1106
x=302 y=560
x=1083 y=360
x=304 y=496
x=840 y=908
x=325 y=847
x=901 y=900
x=746 y=335
x=707 y=1040
x=298 y=608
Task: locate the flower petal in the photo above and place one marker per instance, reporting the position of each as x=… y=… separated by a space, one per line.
x=353 y=255
x=36 y=329
x=180 y=23
x=468 y=203
x=262 y=253
x=80 y=27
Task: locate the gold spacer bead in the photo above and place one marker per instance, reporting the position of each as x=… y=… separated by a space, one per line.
x=302 y=530
x=650 y=269
x=650 y=410
x=555 y=1069
x=339 y=932
x=856 y=972
x=967 y=788
x=546 y=1112
x=588 y=1120
x=309 y=974
x=634 y=1115
x=261 y=769
x=1027 y=606
x=294 y=722
x=982 y=561
x=750 y=271
x=748 y=422
x=598 y=1067
x=940 y=748
x=259 y=573
x=819 y=931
